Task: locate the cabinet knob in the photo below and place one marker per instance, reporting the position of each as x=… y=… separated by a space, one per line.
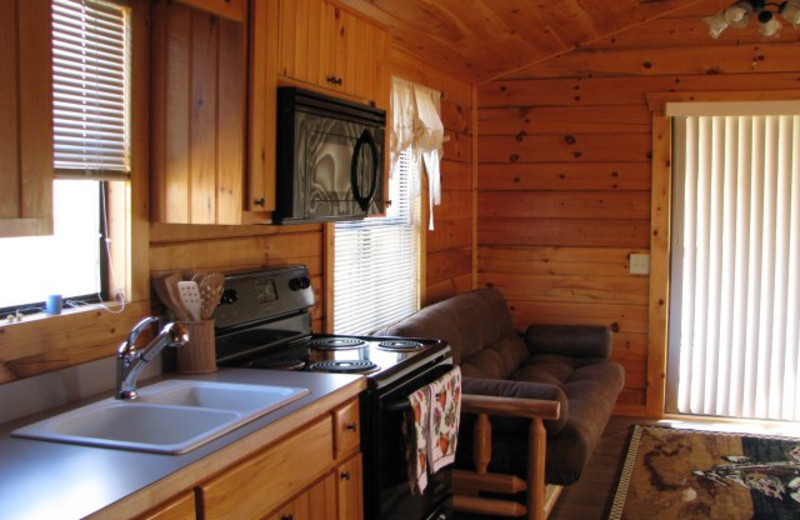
x=260 y=202
x=338 y=81
x=351 y=426
x=345 y=475
x=288 y=517
x=331 y=79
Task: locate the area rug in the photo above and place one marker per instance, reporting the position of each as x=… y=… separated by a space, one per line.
x=685 y=474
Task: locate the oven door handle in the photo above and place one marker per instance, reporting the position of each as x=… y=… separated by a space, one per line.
x=402 y=404
x=364 y=201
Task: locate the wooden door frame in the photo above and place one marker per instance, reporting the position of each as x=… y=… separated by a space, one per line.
x=660 y=219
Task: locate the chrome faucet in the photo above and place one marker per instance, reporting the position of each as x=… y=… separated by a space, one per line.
x=131 y=362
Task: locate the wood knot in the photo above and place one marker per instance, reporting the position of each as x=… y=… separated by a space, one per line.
x=614 y=327
x=569 y=139
x=520 y=136
x=514 y=157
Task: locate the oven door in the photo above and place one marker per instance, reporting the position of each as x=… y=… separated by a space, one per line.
x=387 y=493
x=338 y=168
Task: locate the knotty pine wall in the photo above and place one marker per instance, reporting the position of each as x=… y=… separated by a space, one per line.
x=449 y=247
x=564 y=170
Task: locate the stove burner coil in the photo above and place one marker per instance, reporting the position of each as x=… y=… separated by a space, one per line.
x=343 y=366
x=400 y=344
x=336 y=343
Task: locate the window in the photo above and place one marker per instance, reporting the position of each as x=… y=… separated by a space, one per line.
x=735 y=309
x=90 y=135
x=376 y=267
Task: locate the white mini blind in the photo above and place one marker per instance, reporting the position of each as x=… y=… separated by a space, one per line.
x=735 y=316
x=90 y=88
x=376 y=266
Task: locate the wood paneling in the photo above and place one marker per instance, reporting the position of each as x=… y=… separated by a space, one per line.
x=555 y=230
x=490 y=37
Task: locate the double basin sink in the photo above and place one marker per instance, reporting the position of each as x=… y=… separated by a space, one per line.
x=173 y=416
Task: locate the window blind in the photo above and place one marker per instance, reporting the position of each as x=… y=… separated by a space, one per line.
x=735 y=316
x=90 y=91
x=376 y=265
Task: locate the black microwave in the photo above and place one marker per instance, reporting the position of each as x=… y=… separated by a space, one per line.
x=329 y=158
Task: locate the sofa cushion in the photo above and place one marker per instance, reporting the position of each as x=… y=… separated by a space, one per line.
x=519 y=389
x=498 y=360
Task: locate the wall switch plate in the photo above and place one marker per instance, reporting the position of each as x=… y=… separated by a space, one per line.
x=640 y=264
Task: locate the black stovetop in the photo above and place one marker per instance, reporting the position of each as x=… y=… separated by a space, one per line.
x=263 y=322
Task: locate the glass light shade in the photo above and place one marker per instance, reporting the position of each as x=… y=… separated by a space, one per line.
x=770 y=28
x=738 y=14
x=791 y=12
x=716 y=24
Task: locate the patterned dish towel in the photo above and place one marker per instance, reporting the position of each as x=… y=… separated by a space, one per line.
x=431 y=428
x=417 y=425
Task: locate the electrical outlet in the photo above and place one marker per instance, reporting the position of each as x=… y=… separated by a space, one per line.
x=640 y=264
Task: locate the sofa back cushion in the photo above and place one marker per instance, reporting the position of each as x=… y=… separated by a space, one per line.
x=478 y=327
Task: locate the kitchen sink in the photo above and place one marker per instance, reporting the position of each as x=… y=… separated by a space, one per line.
x=173 y=416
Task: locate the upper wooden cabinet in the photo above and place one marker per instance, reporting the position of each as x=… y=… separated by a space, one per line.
x=198 y=78
x=324 y=45
x=26 y=133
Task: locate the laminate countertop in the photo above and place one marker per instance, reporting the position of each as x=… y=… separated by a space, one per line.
x=52 y=480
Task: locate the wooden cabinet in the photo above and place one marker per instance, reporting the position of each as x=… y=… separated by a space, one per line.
x=198 y=98
x=318 y=503
x=259 y=484
x=297 y=478
x=26 y=136
x=325 y=45
x=181 y=508
x=350 y=489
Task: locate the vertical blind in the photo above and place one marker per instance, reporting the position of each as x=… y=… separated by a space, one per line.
x=376 y=262
x=735 y=314
x=90 y=92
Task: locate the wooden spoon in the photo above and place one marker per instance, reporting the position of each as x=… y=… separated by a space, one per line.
x=210 y=293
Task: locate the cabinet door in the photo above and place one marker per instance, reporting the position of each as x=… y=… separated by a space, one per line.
x=349 y=489
x=26 y=135
x=263 y=111
x=318 y=503
x=198 y=123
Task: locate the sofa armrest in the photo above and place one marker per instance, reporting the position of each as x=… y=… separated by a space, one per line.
x=522 y=396
x=510 y=406
x=569 y=340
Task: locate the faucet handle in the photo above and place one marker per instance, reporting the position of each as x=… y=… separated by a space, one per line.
x=140 y=327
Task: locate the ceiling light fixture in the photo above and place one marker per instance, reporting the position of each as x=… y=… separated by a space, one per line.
x=738 y=15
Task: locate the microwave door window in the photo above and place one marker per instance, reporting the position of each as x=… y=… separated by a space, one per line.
x=329 y=147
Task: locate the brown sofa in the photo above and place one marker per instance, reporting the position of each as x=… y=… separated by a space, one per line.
x=551 y=371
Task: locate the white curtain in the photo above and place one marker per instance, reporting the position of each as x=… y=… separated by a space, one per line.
x=416 y=124
x=735 y=313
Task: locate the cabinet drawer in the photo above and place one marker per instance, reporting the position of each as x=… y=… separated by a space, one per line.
x=181 y=508
x=259 y=485
x=346 y=428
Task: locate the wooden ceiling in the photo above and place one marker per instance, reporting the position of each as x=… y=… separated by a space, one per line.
x=478 y=40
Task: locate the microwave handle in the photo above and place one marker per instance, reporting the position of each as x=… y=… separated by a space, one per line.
x=364 y=202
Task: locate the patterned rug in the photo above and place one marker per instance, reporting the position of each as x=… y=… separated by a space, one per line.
x=685 y=474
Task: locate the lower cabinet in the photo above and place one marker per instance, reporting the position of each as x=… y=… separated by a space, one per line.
x=301 y=477
x=180 y=508
x=338 y=496
x=349 y=489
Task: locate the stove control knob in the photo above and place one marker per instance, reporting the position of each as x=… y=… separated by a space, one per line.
x=300 y=283
x=228 y=296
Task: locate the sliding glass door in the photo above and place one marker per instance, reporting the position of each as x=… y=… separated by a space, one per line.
x=735 y=284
